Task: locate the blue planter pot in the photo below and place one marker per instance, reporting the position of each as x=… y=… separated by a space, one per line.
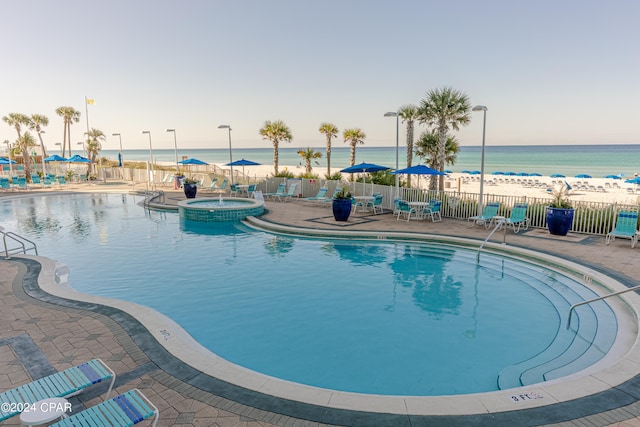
x=341 y=209
x=559 y=220
x=190 y=190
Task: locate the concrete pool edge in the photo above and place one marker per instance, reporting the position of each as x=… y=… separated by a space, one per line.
x=483 y=403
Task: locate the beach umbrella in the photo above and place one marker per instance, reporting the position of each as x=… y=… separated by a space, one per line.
x=5 y=161
x=635 y=180
x=510 y=173
x=78 y=159
x=192 y=161
x=243 y=163
x=465 y=171
x=558 y=175
x=55 y=158
x=418 y=170
x=535 y=174
x=613 y=176
x=474 y=173
x=448 y=171
x=497 y=173
x=582 y=175
x=522 y=174
x=364 y=168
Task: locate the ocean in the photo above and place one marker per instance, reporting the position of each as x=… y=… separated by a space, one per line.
x=569 y=160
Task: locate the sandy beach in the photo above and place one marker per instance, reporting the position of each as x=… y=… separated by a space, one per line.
x=603 y=190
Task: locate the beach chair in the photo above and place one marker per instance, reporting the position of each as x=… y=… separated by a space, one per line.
x=320 y=195
x=5 y=185
x=126 y=409
x=61 y=384
x=234 y=190
x=281 y=190
x=626 y=228
x=250 y=190
x=288 y=195
x=376 y=204
x=222 y=188
x=518 y=218
x=489 y=212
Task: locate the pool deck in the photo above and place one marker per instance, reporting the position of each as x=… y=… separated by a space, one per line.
x=40 y=336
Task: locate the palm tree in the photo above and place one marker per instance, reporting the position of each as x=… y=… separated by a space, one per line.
x=409 y=114
x=24 y=142
x=37 y=122
x=16 y=120
x=353 y=137
x=307 y=155
x=427 y=146
x=95 y=137
x=275 y=132
x=443 y=109
x=69 y=115
x=330 y=131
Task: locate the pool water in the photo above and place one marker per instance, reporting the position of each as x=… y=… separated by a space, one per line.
x=383 y=318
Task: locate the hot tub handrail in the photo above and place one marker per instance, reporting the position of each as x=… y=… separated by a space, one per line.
x=18 y=239
x=613 y=294
x=499 y=224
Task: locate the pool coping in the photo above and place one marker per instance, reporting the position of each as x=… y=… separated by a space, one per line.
x=173 y=350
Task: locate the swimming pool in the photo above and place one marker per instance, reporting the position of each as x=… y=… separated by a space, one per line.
x=387 y=313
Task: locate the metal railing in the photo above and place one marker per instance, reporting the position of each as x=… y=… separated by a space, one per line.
x=499 y=224
x=573 y=307
x=24 y=245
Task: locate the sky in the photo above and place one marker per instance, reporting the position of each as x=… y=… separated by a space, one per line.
x=549 y=71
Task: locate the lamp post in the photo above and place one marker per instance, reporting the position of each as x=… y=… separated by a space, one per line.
x=230 y=156
x=6 y=141
x=175 y=145
x=484 y=128
x=121 y=158
x=397 y=116
x=150 y=155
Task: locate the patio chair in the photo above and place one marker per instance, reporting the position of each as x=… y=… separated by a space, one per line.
x=326 y=201
x=626 y=227
x=5 y=184
x=234 y=190
x=489 y=212
x=433 y=210
x=281 y=190
x=222 y=188
x=126 y=409
x=61 y=384
x=518 y=218
x=288 y=195
x=376 y=205
x=405 y=209
x=212 y=186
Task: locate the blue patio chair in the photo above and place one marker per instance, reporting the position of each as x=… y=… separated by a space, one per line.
x=62 y=180
x=35 y=179
x=489 y=212
x=61 y=384
x=126 y=409
x=288 y=195
x=5 y=184
x=327 y=200
x=405 y=209
x=518 y=218
x=626 y=228
x=320 y=195
x=433 y=210
x=250 y=190
x=234 y=190
x=376 y=204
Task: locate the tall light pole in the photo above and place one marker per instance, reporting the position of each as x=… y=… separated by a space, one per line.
x=175 y=145
x=150 y=155
x=121 y=158
x=44 y=171
x=230 y=156
x=6 y=141
x=484 y=128
x=397 y=116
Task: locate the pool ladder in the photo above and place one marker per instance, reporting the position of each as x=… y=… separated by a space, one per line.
x=499 y=224
x=24 y=244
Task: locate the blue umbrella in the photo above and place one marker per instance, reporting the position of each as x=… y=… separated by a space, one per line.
x=497 y=173
x=475 y=173
x=465 y=171
x=582 y=175
x=522 y=174
x=535 y=174
x=558 y=175
x=78 y=159
x=365 y=167
x=448 y=171
x=55 y=158
x=243 y=163
x=192 y=161
x=510 y=173
x=5 y=161
x=635 y=180
x=613 y=176
x=418 y=170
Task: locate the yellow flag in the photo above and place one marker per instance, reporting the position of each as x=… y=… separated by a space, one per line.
x=91 y=101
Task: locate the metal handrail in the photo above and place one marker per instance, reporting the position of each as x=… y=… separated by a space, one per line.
x=597 y=299
x=18 y=239
x=499 y=224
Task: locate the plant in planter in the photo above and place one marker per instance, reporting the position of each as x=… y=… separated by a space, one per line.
x=190 y=188
x=560 y=212
x=342 y=205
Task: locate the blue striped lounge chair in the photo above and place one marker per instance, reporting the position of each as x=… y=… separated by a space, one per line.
x=126 y=409
x=626 y=228
x=489 y=212
x=321 y=194
x=288 y=195
x=61 y=384
x=281 y=190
